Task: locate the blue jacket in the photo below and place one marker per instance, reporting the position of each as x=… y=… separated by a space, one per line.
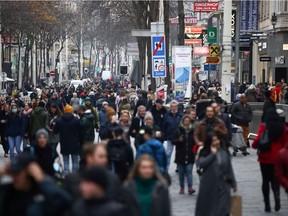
x=171 y=124
x=155 y=149
x=15 y=126
x=102 y=117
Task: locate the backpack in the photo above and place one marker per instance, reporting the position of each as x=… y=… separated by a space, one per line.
x=117 y=155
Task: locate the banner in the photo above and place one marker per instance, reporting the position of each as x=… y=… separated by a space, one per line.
x=205 y=6
x=249 y=15
x=182 y=61
x=193 y=34
x=212 y=35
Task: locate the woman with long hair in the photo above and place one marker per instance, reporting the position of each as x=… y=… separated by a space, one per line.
x=14 y=130
x=149 y=189
x=267 y=159
x=217 y=179
x=53 y=114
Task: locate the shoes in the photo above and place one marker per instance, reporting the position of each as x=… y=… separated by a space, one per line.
x=277 y=205
x=6 y=155
x=181 y=191
x=267 y=205
x=191 y=191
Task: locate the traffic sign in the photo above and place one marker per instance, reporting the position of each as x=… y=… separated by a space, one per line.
x=52 y=73
x=210 y=67
x=159 y=67
x=214 y=50
x=213 y=60
x=158 y=45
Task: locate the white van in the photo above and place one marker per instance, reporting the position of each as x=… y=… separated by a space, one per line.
x=106 y=75
x=76 y=83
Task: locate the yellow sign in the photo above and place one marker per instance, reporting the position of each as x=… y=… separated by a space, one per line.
x=213 y=60
x=214 y=50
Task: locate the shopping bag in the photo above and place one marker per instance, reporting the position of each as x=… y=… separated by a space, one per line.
x=236 y=205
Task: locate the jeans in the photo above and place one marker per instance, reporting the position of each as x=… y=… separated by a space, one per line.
x=169 y=152
x=14 y=142
x=75 y=163
x=185 y=169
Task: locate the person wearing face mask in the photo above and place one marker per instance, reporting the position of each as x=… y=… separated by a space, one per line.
x=217 y=180
x=14 y=130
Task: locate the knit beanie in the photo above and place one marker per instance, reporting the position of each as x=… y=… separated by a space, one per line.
x=68 y=109
x=42 y=132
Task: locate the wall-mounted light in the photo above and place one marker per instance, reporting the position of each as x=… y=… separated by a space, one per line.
x=274 y=20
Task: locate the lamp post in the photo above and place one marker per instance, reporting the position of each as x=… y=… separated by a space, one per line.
x=274 y=20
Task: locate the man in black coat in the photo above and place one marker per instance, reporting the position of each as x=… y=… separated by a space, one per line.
x=143 y=101
x=95 y=200
x=69 y=128
x=138 y=121
x=159 y=112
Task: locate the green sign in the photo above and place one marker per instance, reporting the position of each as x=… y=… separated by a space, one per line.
x=170 y=59
x=212 y=35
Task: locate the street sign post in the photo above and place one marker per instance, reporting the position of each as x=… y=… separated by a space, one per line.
x=213 y=60
x=212 y=35
x=158 y=56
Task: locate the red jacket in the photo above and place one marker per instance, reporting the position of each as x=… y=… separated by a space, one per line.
x=269 y=157
x=281 y=167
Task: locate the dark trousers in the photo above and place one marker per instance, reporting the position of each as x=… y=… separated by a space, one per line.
x=267 y=171
x=4 y=143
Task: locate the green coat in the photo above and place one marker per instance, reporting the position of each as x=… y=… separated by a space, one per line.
x=37 y=120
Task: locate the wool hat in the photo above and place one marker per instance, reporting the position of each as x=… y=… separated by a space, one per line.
x=42 y=132
x=68 y=109
x=96 y=175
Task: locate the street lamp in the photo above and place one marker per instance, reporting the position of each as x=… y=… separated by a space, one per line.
x=274 y=20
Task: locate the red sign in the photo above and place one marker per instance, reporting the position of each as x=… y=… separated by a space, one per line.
x=193 y=41
x=52 y=73
x=193 y=29
x=205 y=6
x=187 y=20
x=201 y=51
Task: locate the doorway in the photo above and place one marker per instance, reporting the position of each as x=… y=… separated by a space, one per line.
x=280 y=73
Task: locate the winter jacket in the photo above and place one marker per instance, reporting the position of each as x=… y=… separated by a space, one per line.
x=281 y=167
x=87 y=127
x=171 y=123
x=37 y=120
x=184 y=149
x=75 y=103
x=155 y=149
x=97 y=207
x=136 y=124
x=69 y=129
x=240 y=115
x=158 y=116
x=3 y=121
x=95 y=114
x=102 y=118
x=160 y=205
x=54 y=201
x=122 y=166
x=201 y=106
x=139 y=139
x=215 y=124
x=15 y=126
x=269 y=156
x=57 y=102
x=50 y=124
x=214 y=197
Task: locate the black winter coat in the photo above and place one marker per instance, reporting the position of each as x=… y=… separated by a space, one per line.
x=158 y=116
x=136 y=124
x=69 y=129
x=184 y=149
x=97 y=207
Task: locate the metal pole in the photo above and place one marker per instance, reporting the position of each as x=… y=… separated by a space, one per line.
x=81 y=49
x=237 y=42
x=1 y=54
x=226 y=54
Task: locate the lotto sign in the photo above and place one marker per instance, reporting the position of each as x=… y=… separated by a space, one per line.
x=214 y=50
x=159 y=68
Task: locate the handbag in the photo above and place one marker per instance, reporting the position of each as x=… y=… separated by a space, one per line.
x=264 y=143
x=236 y=205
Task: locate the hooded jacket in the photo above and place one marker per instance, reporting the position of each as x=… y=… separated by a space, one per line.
x=155 y=149
x=171 y=123
x=87 y=127
x=69 y=128
x=158 y=116
x=38 y=119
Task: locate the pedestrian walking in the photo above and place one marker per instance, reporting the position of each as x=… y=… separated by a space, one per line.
x=146 y=184
x=14 y=130
x=4 y=112
x=69 y=128
x=171 y=122
x=217 y=179
x=267 y=158
x=159 y=112
x=184 y=142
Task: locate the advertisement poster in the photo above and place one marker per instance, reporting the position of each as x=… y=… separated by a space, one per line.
x=249 y=15
x=182 y=61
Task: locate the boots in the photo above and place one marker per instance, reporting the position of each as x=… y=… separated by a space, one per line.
x=267 y=204
x=277 y=201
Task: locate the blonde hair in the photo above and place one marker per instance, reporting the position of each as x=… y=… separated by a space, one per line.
x=135 y=169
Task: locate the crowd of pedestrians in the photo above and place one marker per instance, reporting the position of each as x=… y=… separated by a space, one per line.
x=60 y=168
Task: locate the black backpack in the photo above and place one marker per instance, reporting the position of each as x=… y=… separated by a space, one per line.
x=117 y=156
